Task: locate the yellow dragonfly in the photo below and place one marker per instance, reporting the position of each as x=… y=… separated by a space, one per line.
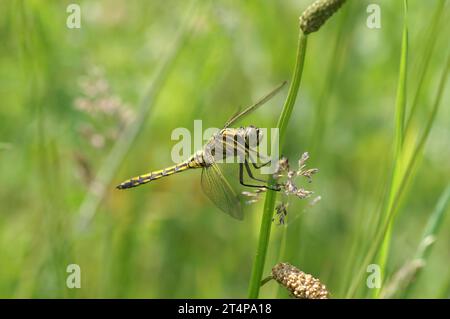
x=227 y=142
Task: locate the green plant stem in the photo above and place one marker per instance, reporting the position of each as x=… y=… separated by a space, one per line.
x=293 y=89
x=266 y=280
x=400 y=106
x=432 y=228
x=402 y=185
x=269 y=204
x=431 y=38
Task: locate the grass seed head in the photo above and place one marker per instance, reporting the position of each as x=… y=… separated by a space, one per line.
x=299 y=284
x=317 y=14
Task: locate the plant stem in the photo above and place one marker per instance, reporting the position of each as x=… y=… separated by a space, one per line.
x=403 y=182
x=269 y=204
x=266 y=280
x=431 y=37
x=434 y=224
x=293 y=89
x=400 y=103
x=400 y=106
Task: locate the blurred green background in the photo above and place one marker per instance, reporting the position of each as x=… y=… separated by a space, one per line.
x=68 y=95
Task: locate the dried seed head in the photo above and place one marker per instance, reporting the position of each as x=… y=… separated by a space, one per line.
x=282 y=167
x=299 y=284
x=308 y=173
x=303 y=193
x=254 y=195
x=281 y=212
x=303 y=159
x=288 y=184
x=317 y=14
x=285 y=181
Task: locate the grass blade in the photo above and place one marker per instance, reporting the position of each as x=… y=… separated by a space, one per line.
x=310 y=21
x=403 y=281
x=432 y=228
x=400 y=106
x=429 y=46
x=404 y=180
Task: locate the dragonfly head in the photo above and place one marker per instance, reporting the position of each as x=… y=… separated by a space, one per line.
x=253 y=136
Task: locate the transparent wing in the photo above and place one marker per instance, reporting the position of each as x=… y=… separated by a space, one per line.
x=217 y=188
x=251 y=153
x=253 y=107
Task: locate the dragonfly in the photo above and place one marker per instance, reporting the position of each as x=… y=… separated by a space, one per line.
x=229 y=141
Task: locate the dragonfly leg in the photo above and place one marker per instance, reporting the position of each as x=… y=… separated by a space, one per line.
x=259 y=157
x=262 y=165
x=241 y=178
x=249 y=172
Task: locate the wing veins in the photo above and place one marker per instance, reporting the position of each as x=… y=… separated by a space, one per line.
x=219 y=191
x=239 y=114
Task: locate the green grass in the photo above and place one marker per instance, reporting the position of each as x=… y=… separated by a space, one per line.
x=269 y=203
x=372 y=111
x=404 y=167
x=270 y=199
x=430 y=233
x=400 y=110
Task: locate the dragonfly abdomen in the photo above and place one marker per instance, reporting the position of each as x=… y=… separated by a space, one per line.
x=146 y=178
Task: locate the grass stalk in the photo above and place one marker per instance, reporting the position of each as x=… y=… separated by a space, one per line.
x=432 y=228
x=402 y=282
x=269 y=204
x=311 y=20
x=400 y=106
x=293 y=89
x=431 y=39
x=403 y=182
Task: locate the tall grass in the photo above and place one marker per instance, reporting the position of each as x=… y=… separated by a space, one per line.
x=429 y=236
x=166 y=239
x=402 y=282
x=430 y=42
x=383 y=235
x=400 y=107
x=310 y=21
x=122 y=146
x=404 y=157
x=269 y=204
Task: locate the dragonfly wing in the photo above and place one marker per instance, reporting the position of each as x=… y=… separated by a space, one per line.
x=251 y=108
x=217 y=188
x=252 y=154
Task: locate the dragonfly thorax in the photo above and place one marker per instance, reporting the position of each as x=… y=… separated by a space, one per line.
x=250 y=136
x=253 y=135
x=231 y=142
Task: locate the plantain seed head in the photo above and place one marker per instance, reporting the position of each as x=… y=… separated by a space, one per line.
x=317 y=14
x=299 y=284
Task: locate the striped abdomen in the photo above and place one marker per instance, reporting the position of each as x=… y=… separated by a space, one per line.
x=143 y=179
